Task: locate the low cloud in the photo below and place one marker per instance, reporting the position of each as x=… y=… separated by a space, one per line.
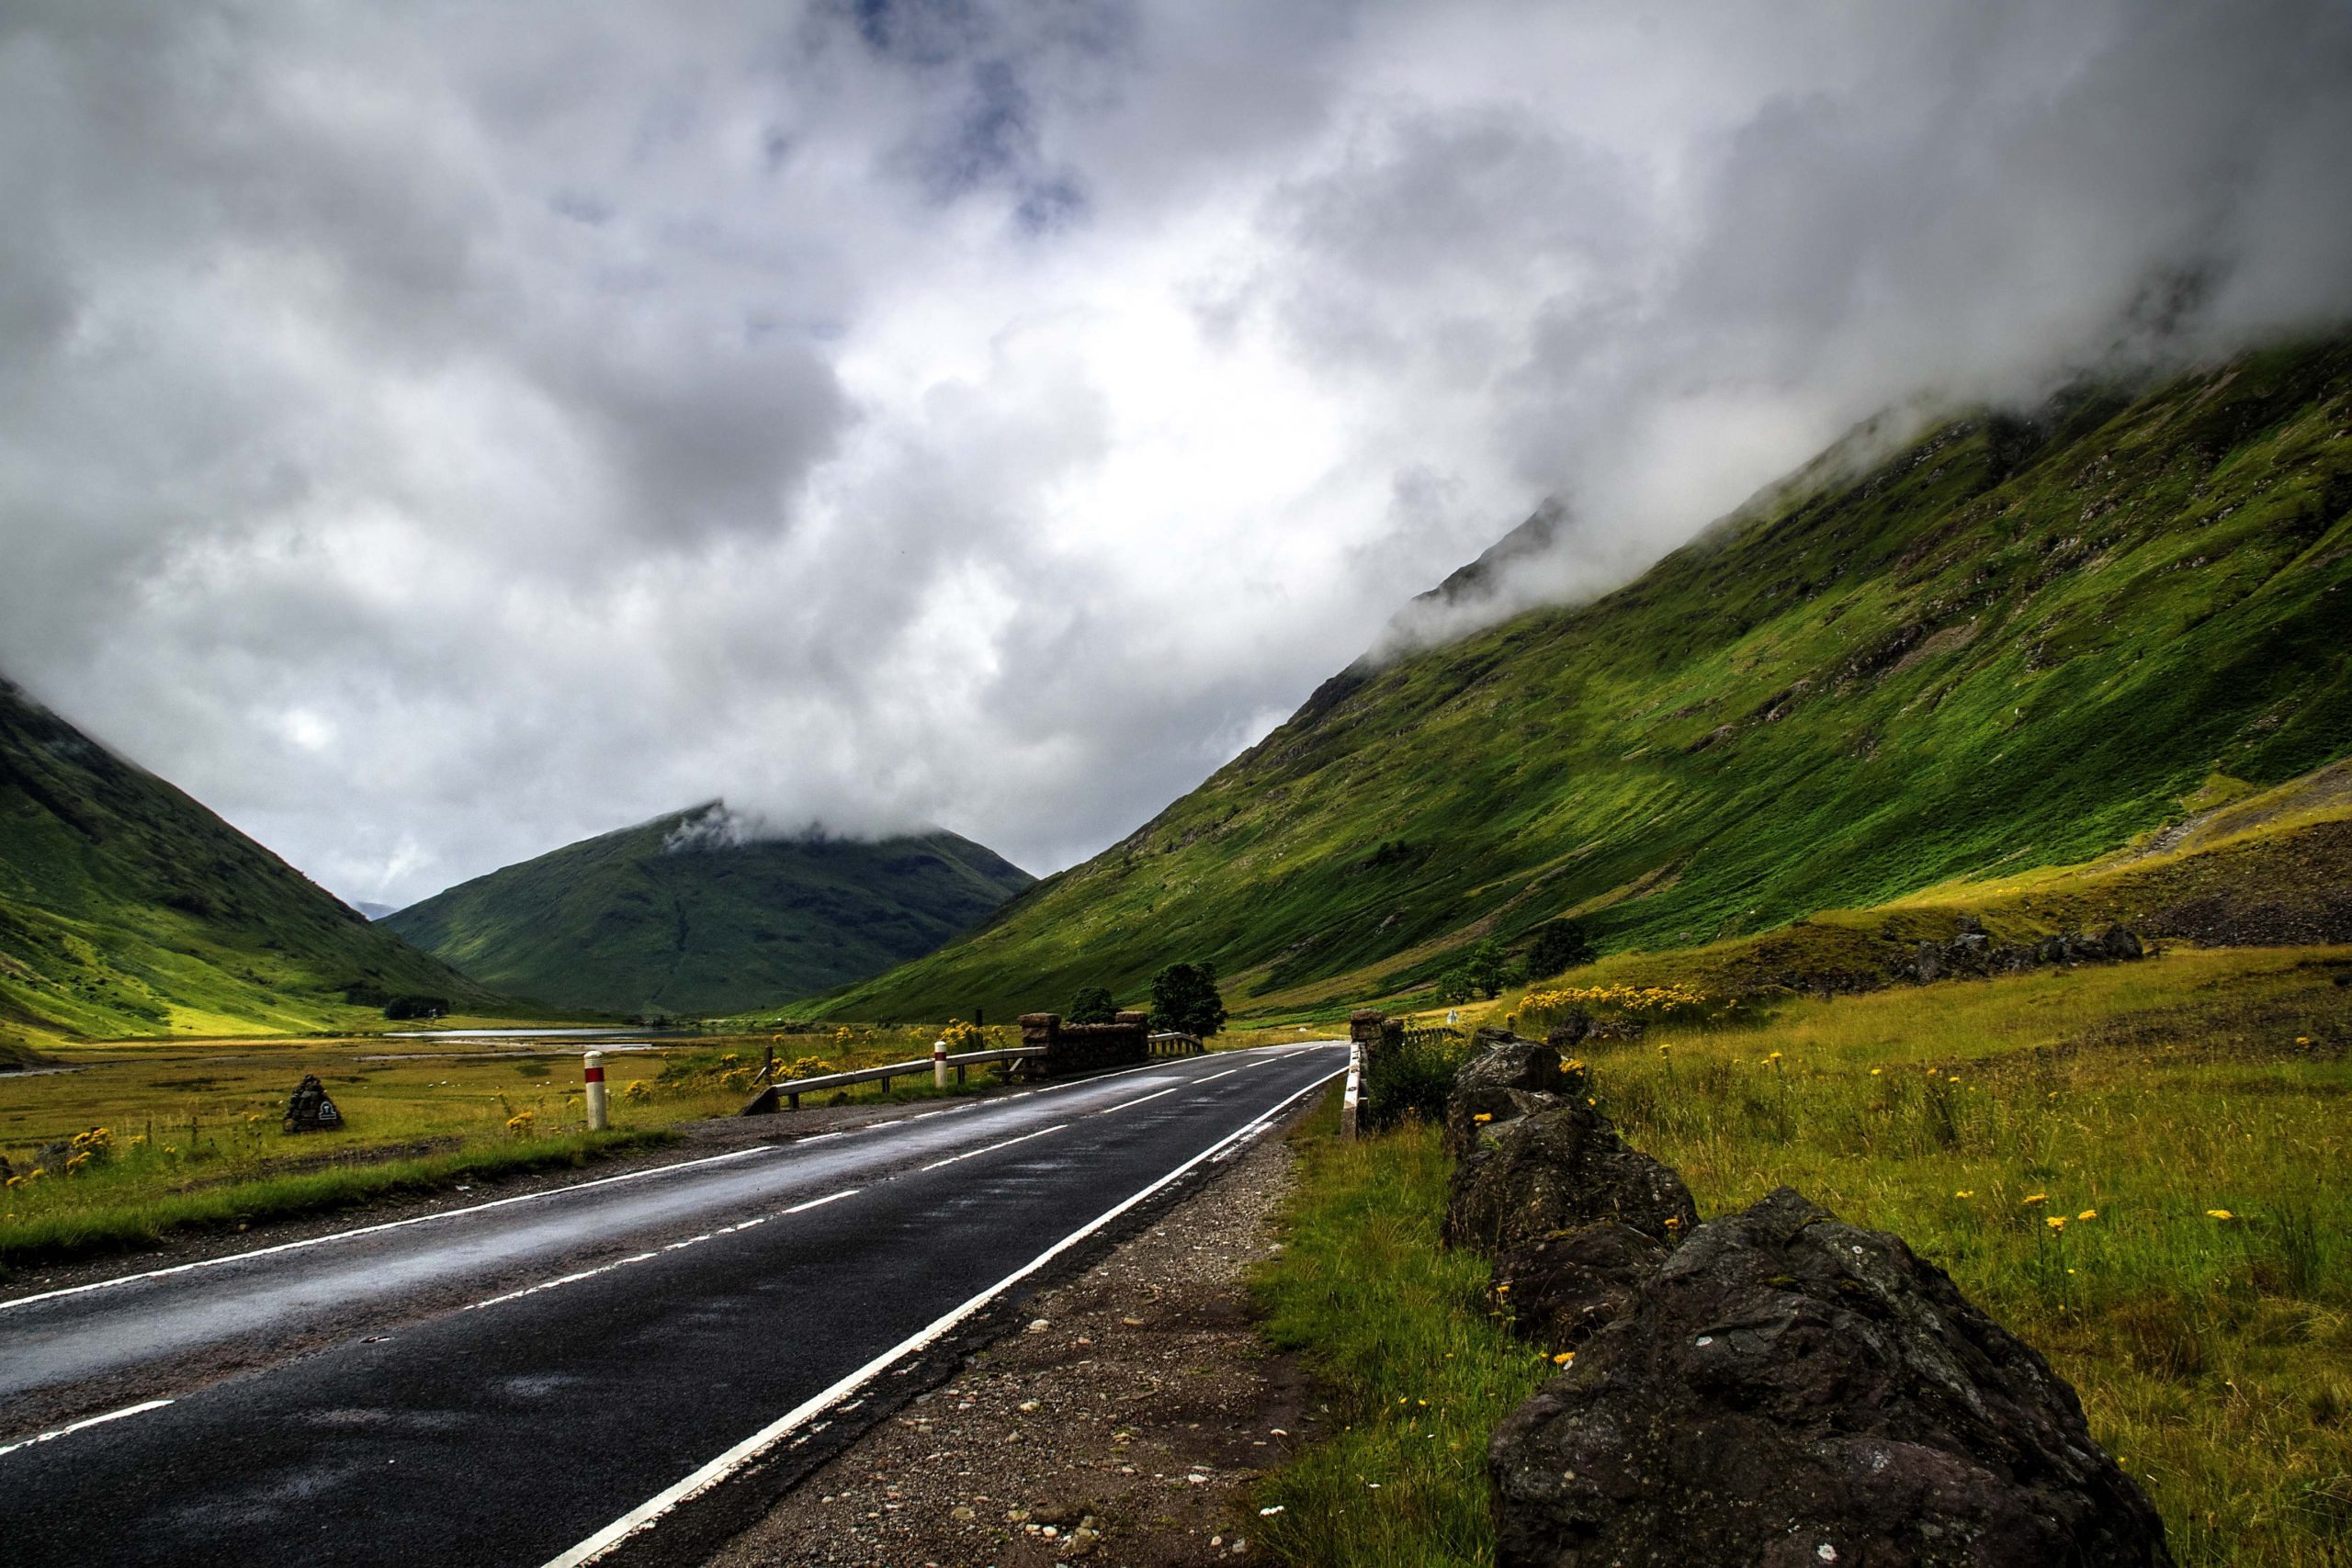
x=433 y=437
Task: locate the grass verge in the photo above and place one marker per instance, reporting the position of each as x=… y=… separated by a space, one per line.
x=1394 y=1327
x=2182 y=1122
x=104 y=1215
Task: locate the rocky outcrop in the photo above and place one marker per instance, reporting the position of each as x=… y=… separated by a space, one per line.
x=1560 y=1290
x=1506 y=1078
x=1786 y=1390
x=1972 y=952
x=1558 y=1169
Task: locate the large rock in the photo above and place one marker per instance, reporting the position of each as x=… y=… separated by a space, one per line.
x=1559 y=1170
x=1788 y=1390
x=1505 y=1078
x=1560 y=1290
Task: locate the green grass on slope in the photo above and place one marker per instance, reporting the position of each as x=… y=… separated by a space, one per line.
x=660 y=917
x=127 y=908
x=2013 y=645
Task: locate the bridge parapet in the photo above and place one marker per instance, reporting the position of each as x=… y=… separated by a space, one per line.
x=1080 y=1047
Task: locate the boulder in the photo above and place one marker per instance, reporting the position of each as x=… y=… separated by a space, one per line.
x=2117 y=945
x=1560 y=1290
x=1505 y=1078
x=1557 y=1170
x=1789 y=1390
x=1569 y=1032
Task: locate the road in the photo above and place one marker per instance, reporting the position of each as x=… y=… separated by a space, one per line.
x=619 y=1363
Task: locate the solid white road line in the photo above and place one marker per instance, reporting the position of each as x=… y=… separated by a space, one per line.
x=535 y=1196
x=87 y=1421
x=645 y=1514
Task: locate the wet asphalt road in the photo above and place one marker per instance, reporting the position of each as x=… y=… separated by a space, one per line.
x=579 y=1351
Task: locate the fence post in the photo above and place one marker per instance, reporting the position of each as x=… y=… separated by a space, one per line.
x=939 y=1064
x=1349 y=1101
x=592 y=1068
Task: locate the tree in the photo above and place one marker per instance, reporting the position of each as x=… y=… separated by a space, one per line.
x=1454 y=986
x=1558 y=944
x=1184 y=998
x=1091 y=1005
x=1484 y=968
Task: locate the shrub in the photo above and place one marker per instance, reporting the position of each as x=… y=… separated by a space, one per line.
x=1091 y=1005
x=1412 y=1076
x=1558 y=945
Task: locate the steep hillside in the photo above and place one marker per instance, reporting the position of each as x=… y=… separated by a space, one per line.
x=2020 y=642
x=677 y=915
x=127 y=908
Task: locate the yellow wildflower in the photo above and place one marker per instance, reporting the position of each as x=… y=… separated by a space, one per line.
x=2087 y=1214
x=1965 y=1193
x=2033 y=1198
x=2056 y=1222
x=1563 y=1358
x=2220 y=1215
x=1875 y=1071
x=1483 y=1116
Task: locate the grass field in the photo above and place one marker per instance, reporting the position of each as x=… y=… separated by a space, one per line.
x=2184 y=1117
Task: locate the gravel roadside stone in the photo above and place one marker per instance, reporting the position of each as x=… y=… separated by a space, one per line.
x=1123 y=1425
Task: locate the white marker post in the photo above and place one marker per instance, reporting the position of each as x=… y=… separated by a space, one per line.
x=939 y=1064
x=593 y=1064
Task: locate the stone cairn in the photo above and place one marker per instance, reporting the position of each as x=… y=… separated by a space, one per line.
x=311 y=1108
x=1773 y=1387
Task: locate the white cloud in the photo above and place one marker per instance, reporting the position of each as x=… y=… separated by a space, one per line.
x=433 y=434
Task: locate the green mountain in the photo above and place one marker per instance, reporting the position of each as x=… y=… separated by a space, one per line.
x=2016 y=641
x=682 y=915
x=127 y=908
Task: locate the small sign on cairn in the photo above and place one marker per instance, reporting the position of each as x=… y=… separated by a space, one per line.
x=311 y=1111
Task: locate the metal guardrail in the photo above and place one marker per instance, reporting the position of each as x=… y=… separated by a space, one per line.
x=791 y=1089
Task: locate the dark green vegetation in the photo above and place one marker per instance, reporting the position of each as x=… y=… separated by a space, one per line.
x=1184 y=996
x=677 y=915
x=127 y=908
x=1092 y=1004
x=2017 y=642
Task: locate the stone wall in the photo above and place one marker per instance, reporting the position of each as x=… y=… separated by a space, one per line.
x=1084 y=1047
x=1771 y=1387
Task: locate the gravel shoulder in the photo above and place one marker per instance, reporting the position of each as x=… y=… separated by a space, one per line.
x=1124 y=1424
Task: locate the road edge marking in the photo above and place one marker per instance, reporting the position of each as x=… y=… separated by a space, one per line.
x=86 y=1421
x=645 y=1515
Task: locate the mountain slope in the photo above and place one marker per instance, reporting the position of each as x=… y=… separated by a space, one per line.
x=678 y=915
x=2018 y=642
x=127 y=908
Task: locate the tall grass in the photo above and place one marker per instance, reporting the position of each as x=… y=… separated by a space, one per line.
x=1396 y=1330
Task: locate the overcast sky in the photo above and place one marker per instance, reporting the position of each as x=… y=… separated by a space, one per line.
x=431 y=433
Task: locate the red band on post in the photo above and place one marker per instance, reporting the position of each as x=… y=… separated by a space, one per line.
x=595 y=1075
